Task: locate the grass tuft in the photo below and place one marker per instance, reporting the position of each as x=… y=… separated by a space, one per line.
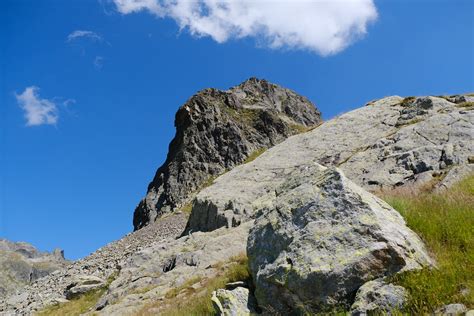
x=445 y=221
x=465 y=104
x=254 y=155
x=74 y=307
x=408 y=101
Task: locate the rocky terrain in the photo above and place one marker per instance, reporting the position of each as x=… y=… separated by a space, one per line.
x=302 y=213
x=22 y=264
x=217 y=130
x=386 y=144
x=98 y=267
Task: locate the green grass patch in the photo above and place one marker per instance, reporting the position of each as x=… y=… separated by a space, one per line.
x=74 y=307
x=299 y=129
x=188 y=207
x=445 y=221
x=198 y=301
x=79 y=305
x=254 y=155
x=465 y=104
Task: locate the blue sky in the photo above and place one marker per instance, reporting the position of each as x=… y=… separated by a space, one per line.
x=71 y=176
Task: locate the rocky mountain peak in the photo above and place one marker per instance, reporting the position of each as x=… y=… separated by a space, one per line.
x=217 y=130
x=21 y=264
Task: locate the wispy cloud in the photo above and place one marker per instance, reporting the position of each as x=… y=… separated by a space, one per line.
x=83 y=34
x=37 y=111
x=98 y=62
x=322 y=26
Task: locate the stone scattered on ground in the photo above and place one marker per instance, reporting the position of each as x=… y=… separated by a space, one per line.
x=378 y=297
x=103 y=263
x=452 y=310
x=236 y=302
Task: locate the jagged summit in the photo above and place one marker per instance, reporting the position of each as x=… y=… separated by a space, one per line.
x=217 y=130
x=22 y=264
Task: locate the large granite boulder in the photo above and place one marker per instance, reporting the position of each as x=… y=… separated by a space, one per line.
x=323 y=238
x=217 y=130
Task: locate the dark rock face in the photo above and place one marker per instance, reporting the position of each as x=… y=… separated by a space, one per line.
x=217 y=130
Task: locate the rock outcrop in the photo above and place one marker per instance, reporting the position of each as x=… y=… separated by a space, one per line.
x=321 y=238
x=390 y=143
x=217 y=130
x=22 y=264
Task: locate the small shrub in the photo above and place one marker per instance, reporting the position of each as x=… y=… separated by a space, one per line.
x=407 y=101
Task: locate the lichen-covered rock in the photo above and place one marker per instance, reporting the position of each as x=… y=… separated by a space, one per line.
x=387 y=144
x=217 y=130
x=322 y=239
x=236 y=302
x=452 y=310
x=379 y=297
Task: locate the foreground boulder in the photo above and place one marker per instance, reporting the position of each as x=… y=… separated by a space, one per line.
x=217 y=130
x=322 y=239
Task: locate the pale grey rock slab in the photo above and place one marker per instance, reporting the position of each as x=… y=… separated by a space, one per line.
x=369 y=144
x=322 y=239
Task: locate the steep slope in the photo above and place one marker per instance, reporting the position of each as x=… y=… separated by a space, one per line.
x=22 y=264
x=103 y=264
x=388 y=143
x=217 y=130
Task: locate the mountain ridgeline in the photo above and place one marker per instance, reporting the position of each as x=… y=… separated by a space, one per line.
x=218 y=130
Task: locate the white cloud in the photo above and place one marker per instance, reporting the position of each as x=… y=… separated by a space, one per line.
x=84 y=34
x=322 y=26
x=37 y=111
x=98 y=62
